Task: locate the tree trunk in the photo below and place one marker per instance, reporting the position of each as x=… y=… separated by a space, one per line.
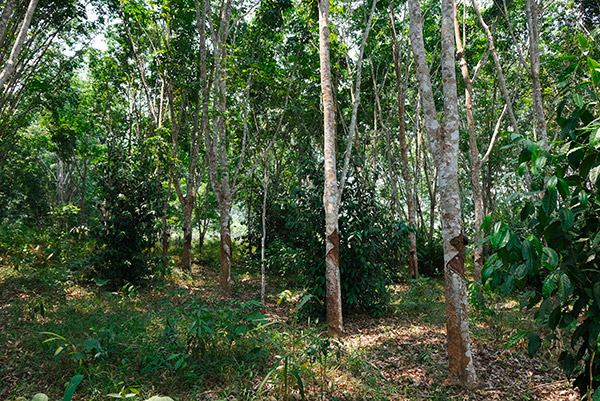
x=263 y=281
x=408 y=181
x=225 y=257
x=11 y=63
x=490 y=39
x=186 y=257
x=474 y=152
x=331 y=193
x=444 y=145
x=534 y=54
x=166 y=233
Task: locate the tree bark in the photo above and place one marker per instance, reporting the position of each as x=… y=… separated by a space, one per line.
x=490 y=38
x=331 y=193
x=11 y=63
x=534 y=54
x=186 y=257
x=474 y=151
x=408 y=181
x=444 y=145
x=263 y=280
x=225 y=247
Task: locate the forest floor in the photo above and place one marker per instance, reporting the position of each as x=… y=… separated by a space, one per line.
x=143 y=341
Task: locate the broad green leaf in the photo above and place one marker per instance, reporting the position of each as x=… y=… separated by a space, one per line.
x=548 y=285
x=583 y=42
x=565 y=287
x=487 y=221
x=550 y=258
x=534 y=344
x=554 y=317
x=567 y=218
x=596 y=396
x=594 y=173
x=75 y=380
x=594 y=67
x=563 y=188
x=552 y=182
x=568 y=365
x=500 y=235
x=549 y=201
x=521 y=271
x=578 y=100
x=595 y=138
x=508 y=285
x=583 y=198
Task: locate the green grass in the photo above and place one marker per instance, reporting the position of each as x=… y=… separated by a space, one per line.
x=176 y=336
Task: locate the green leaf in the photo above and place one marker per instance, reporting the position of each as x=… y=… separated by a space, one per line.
x=578 y=100
x=583 y=42
x=515 y=338
x=565 y=287
x=75 y=380
x=507 y=286
x=550 y=258
x=500 y=235
x=596 y=396
x=534 y=344
x=563 y=188
x=554 y=318
x=567 y=218
x=594 y=173
x=549 y=201
x=595 y=138
x=594 y=67
x=548 y=285
x=568 y=365
x=40 y=397
x=487 y=221
x=583 y=198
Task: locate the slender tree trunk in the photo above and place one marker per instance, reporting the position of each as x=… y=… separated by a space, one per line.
x=83 y=191
x=331 y=193
x=490 y=38
x=474 y=151
x=7 y=11
x=166 y=232
x=444 y=144
x=225 y=248
x=202 y=222
x=186 y=257
x=408 y=181
x=11 y=63
x=534 y=54
x=263 y=280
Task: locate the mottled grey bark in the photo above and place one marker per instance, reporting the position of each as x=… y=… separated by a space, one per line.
x=534 y=55
x=11 y=62
x=408 y=181
x=331 y=194
x=443 y=140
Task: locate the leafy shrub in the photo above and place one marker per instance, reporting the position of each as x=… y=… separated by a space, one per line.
x=430 y=251
x=555 y=258
x=129 y=197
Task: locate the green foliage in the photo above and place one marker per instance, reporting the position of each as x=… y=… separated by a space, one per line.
x=370 y=242
x=129 y=196
x=430 y=253
x=554 y=259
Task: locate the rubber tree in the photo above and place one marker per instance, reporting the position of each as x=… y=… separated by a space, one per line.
x=443 y=140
